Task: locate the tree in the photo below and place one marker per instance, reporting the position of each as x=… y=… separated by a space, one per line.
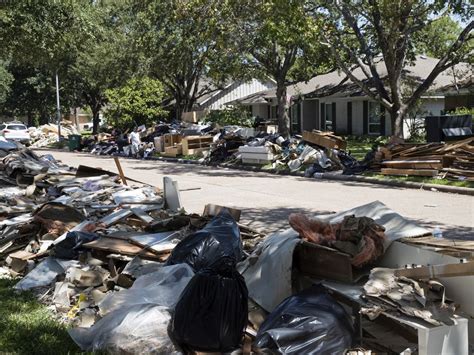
x=281 y=42
x=47 y=36
x=187 y=49
x=32 y=94
x=138 y=101
x=6 y=78
x=388 y=28
x=110 y=59
x=437 y=37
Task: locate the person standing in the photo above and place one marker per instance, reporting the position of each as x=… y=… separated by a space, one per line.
x=135 y=141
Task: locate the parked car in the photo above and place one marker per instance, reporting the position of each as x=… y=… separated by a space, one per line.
x=15 y=131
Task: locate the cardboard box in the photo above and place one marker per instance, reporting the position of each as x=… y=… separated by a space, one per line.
x=325 y=139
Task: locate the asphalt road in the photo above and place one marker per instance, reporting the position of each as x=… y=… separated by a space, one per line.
x=266 y=200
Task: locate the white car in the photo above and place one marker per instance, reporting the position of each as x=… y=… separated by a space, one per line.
x=15 y=131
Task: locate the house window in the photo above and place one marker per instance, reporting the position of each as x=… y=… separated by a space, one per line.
x=328 y=116
x=374 y=118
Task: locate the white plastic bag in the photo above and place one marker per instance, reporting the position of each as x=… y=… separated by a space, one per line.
x=162 y=288
x=132 y=330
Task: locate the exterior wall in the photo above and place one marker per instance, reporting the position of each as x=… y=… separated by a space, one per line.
x=452 y=102
x=236 y=91
x=260 y=110
x=310 y=116
x=432 y=106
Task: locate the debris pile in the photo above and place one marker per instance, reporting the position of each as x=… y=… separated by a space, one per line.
x=47 y=134
x=93 y=249
x=131 y=272
x=453 y=160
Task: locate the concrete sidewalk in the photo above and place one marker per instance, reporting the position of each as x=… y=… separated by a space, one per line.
x=267 y=200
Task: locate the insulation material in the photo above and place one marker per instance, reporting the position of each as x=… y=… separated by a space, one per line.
x=360 y=237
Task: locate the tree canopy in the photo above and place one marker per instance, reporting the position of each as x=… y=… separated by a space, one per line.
x=195 y=47
x=137 y=102
x=361 y=32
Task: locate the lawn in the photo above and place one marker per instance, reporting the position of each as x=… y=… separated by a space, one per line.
x=359 y=146
x=28 y=327
x=422 y=179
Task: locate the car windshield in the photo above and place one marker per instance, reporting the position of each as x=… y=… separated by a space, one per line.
x=16 y=127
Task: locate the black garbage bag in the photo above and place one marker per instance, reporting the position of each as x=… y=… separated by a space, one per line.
x=212 y=312
x=218 y=242
x=310 y=322
x=71 y=246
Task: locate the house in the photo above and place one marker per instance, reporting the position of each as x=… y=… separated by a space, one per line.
x=219 y=98
x=332 y=102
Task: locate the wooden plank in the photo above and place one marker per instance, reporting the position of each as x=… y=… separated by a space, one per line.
x=435 y=271
x=120 y=246
x=119 y=168
x=414 y=172
x=86 y=171
x=413 y=164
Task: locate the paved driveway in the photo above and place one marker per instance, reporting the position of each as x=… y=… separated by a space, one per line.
x=267 y=200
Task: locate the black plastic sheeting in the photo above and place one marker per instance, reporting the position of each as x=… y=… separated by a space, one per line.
x=218 y=243
x=71 y=246
x=310 y=322
x=212 y=312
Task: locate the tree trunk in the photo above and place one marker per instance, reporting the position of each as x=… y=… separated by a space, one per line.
x=95 y=119
x=396 y=117
x=282 y=111
x=76 y=118
x=30 y=118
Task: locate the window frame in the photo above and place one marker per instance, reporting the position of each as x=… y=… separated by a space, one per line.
x=374 y=113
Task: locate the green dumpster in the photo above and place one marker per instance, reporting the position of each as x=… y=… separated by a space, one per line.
x=74 y=141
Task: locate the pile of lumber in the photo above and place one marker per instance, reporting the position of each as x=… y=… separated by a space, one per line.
x=454 y=160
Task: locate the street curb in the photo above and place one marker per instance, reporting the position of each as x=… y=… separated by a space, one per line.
x=334 y=177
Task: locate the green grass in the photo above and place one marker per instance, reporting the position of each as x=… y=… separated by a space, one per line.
x=28 y=327
x=191 y=157
x=423 y=179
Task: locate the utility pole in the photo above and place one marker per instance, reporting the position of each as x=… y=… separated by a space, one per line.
x=58 y=107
